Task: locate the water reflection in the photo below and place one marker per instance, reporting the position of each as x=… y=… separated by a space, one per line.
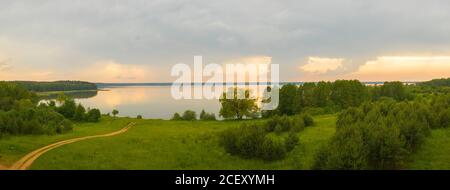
x=73 y=94
x=148 y=101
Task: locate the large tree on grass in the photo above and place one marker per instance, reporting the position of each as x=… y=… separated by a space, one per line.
x=237 y=103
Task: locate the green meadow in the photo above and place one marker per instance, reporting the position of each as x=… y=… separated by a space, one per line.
x=12 y=148
x=435 y=152
x=161 y=144
x=186 y=145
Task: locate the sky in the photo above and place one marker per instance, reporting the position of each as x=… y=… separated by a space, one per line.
x=140 y=40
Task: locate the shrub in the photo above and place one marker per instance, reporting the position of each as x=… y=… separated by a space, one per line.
x=207 y=116
x=139 y=117
x=307 y=119
x=272 y=148
x=176 y=117
x=189 y=115
x=284 y=123
x=291 y=141
x=93 y=115
x=66 y=126
x=256 y=141
x=377 y=135
x=344 y=152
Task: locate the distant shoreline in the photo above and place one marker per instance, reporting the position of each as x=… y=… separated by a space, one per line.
x=106 y=85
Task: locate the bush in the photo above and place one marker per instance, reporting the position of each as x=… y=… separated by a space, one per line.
x=176 y=117
x=189 y=115
x=272 y=148
x=93 y=115
x=284 y=123
x=256 y=141
x=377 y=135
x=344 y=152
x=139 y=117
x=291 y=141
x=207 y=116
x=66 y=126
x=279 y=124
x=307 y=120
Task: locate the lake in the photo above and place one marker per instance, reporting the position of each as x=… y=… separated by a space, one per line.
x=153 y=102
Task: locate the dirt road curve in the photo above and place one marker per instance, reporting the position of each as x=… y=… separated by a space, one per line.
x=26 y=161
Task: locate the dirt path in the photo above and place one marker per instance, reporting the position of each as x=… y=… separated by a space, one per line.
x=26 y=161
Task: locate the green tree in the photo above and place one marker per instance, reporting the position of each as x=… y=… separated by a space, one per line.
x=189 y=115
x=288 y=104
x=207 y=116
x=202 y=114
x=93 y=115
x=348 y=93
x=236 y=107
x=115 y=112
x=80 y=113
x=67 y=109
x=176 y=117
x=322 y=94
x=395 y=90
x=307 y=96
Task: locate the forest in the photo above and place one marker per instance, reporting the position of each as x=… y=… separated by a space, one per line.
x=56 y=85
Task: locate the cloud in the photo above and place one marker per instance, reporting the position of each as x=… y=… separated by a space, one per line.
x=5 y=63
x=112 y=71
x=260 y=59
x=404 y=68
x=320 y=65
x=61 y=35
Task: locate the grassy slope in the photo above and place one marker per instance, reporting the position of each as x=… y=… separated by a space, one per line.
x=14 y=147
x=435 y=153
x=157 y=144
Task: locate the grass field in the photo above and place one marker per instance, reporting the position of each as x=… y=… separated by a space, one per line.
x=14 y=147
x=158 y=144
x=435 y=153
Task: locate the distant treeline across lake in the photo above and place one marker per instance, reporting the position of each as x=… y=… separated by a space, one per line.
x=66 y=85
x=109 y=85
x=39 y=86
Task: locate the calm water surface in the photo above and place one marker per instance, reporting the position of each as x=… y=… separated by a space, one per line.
x=148 y=101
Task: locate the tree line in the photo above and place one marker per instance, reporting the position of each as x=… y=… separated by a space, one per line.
x=56 y=85
x=331 y=97
x=437 y=82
